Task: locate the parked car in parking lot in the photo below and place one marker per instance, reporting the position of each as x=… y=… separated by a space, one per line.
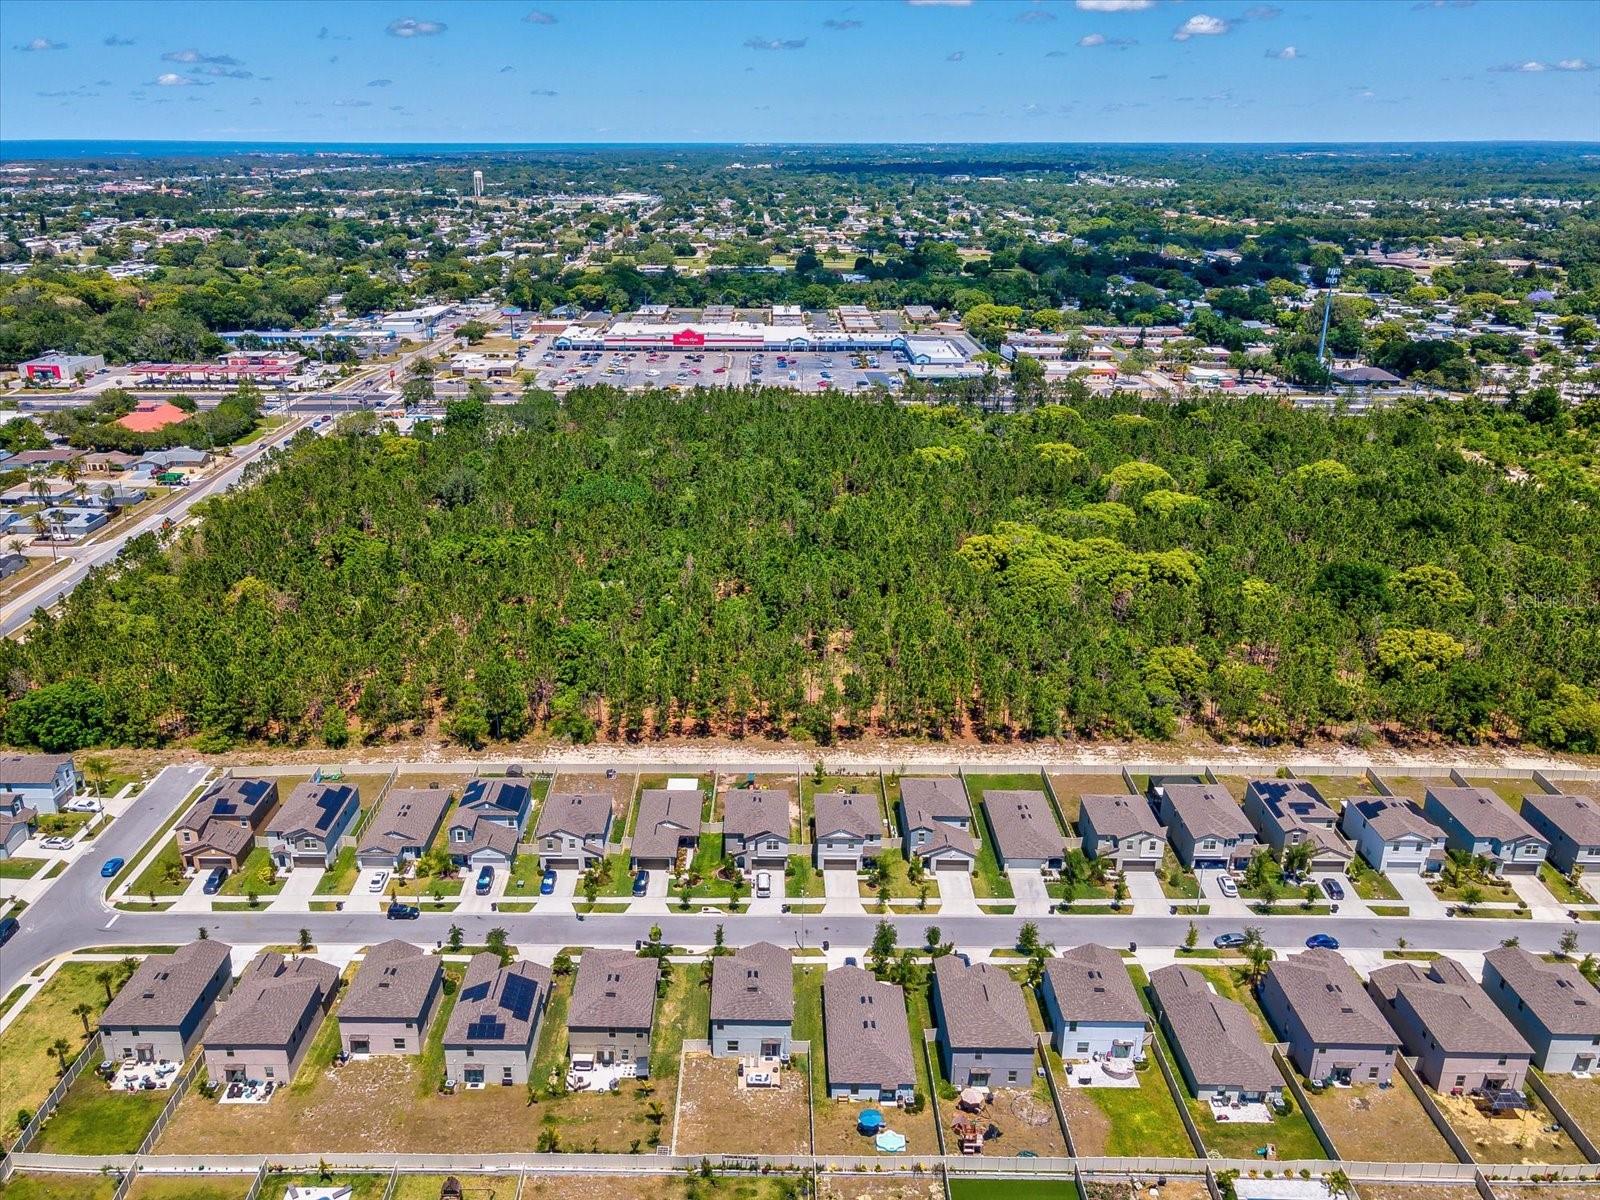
x=1333 y=888
x=111 y=866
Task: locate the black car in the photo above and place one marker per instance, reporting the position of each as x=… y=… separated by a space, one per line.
x=1229 y=941
x=1334 y=888
x=8 y=929
x=403 y=912
x=213 y=883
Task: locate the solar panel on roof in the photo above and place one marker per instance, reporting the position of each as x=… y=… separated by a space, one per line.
x=518 y=996
x=486 y=1028
x=476 y=992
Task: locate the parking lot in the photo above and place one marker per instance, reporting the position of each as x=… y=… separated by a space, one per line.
x=637 y=370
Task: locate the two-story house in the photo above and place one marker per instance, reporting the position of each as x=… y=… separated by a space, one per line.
x=160 y=1013
x=44 y=781
x=494 y=1027
x=667 y=825
x=307 y=828
x=1207 y=829
x=985 y=1036
x=1555 y=1009
x=612 y=1014
x=573 y=830
x=1289 y=812
x=867 y=1037
x=1092 y=1007
x=391 y=1001
x=1123 y=828
x=752 y=1003
x=1571 y=824
x=403 y=828
x=848 y=829
x=1316 y=1003
x=220 y=830
x=487 y=825
x=1391 y=834
x=936 y=822
x=1462 y=1041
x=263 y=1029
x=1477 y=822
x=17 y=820
x=755 y=828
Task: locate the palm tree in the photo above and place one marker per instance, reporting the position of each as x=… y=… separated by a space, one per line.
x=105 y=977
x=83 y=1012
x=41 y=528
x=61 y=1049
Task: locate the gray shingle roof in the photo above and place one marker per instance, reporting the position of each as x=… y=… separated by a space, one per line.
x=1483 y=814
x=666 y=816
x=503 y=798
x=1119 y=816
x=1450 y=1005
x=1327 y=997
x=1555 y=992
x=1576 y=816
x=753 y=984
x=498 y=1006
x=31 y=769
x=1215 y=1035
x=269 y=999
x=866 y=1031
x=927 y=800
x=483 y=833
x=857 y=814
x=1205 y=809
x=1392 y=817
x=583 y=815
x=750 y=812
x=1023 y=824
x=982 y=1005
x=407 y=817
x=615 y=989
x=1091 y=983
x=393 y=984
x=164 y=987
x=313 y=808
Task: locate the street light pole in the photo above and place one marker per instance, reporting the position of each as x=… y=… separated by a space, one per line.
x=1327 y=312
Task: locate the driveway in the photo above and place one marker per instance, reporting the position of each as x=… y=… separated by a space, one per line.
x=299 y=885
x=560 y=900
x=1530 y=888
x=1144 y=890
x=362 y=898
x=193 y=898
x=1027 y=884
x=471 y=902
x=1221 y=906
x=1414 y=891
x=843 y=891
x=955 y=895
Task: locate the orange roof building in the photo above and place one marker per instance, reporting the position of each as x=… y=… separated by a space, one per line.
x=151 y=416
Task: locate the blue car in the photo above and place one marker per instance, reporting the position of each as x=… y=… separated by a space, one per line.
x=547 y=884
x=1322 y=941
x=485 y=881
x=110 y=867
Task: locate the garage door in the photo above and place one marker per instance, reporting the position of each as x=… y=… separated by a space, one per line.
x=838 y=864
x=950 y=864
x=1140 y=864
x=561 y=864
x=1210 y=864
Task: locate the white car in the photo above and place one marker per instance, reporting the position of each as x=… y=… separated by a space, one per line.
x=763 y=884
x=56 y=843
x=379 y=882
x=1227 y=886
x=85 y=805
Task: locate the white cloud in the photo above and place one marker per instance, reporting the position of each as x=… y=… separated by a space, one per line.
x=1200 y=25
x=194 y=56
x=1092 y=39
x=538 y=17
x=408 y=27
x=955 y=56
x=759 y=43
x=173 y=79
x=1287 y=54
x=39 y=45
x=1534 y=66
x=1111 y=6
x=1574 y=64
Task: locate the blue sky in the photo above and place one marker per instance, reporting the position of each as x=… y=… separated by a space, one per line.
x=872 y=70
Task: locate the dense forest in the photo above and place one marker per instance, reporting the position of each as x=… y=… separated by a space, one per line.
x=820 y=567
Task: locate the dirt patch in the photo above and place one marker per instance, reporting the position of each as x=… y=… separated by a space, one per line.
x=1417 y=1191
x=717 y=1116
x=1026 y=1121
x=1373 y=1124
x=473 y=1187
x=1530 y=1136
x=1138 y=1189
x=836 y=1132
x=1548 y=1191
x=1581 y=1099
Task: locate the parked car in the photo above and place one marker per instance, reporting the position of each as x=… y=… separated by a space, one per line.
x=213 y=883
x=641 y=883
x=111 y=866
x=1322 y=941
x=1334 y=888
x=763 y=884
x=379 y=882
x=1229 y=941
x=547 y=883
x=403 y=912
x=1227 y=886
x=56 y=843
x=8 y=929
x=485 y=881
x=83 y=805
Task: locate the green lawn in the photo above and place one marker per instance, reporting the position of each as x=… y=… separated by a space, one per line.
x=868 y=785
x=988 y=880
x=362 y=1187
x=1561 y=887
x=808 y=1025
x=1370 y=884
x=550 y=1056
x=684 y=1012
x=20 y=868
x=430 y=1063
x=189 y=1187
x=1017 y=781
x=164 y=874
x=900 y=885
x=525 y=876
x=25 y=1186
x=324 y=1047
x=802 y=881
x=1144 y=1120
x=253 y=876
x=93 y=1119
x=616 y=879
x=1177 y=883
x=62 y=824
x=338 y=879
x=1013 y=1189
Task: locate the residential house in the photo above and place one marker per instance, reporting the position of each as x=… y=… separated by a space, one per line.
x=179 y=458
x=1208 y=830
x=1024 y=829
x=487 y=825
x=391 y=1000
x=220 y=830
x=573 y=830
x=1392 y=834
x=755 y=828
x=1554 y=1008
x=668 y=824
x=1290 y=812
x=507 y=802
x=936 y=822
x=985 y=1037
x=1316 y=1003
x=494 y=1027
x=306 y=829
x=44 y=781
x=1460 y=1038
x=867 y=1038
x=1123 y=828
x=10 y=561
x=752 y=1002
x=1222 y=1057
x=1571 y=824
x=262 y=1030
x=63 y=524
x=1092 y=1007
x=1477 y=822
x=17 y=820
x=848 y=828
x=159 y=1014
x=612 y=1014
x=403 y=827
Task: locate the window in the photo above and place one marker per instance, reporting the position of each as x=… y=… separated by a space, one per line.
x=399 y=1043
x=1372 y=1072
x=1083 y=1047
x=1072 y=1027
x=978 y=1057
x=230 y=1053
x=268 y=1072
x=1461 y=1081
x=733 y=1044
x=1011 y=1076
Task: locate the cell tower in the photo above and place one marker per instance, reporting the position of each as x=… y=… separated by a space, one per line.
x=477 y=185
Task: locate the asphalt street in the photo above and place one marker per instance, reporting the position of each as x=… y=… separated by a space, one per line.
x=73 y=914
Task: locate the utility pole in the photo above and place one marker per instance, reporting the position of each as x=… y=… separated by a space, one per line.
x=1327 y=312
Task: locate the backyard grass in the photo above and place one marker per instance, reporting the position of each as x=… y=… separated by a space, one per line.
x=30 y=1186
x=808 y=1025
x=31 y=1070
x=93 y=1119
x=1581 y=1099
x=1069 y=789
x=684 y=1012
x=657 y=781
x=1013 y=1189
x=1510 y=790
x=1016 y=781
x=716 y=1116
x=1123 y=1122
x=191 y=1187
x=1562 y=888
x=1372 y=1124
x=256 y=874
x=20 y=868
x=338 y=879
x=1336 y=789
x=477 y=1187
x=809 y=787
